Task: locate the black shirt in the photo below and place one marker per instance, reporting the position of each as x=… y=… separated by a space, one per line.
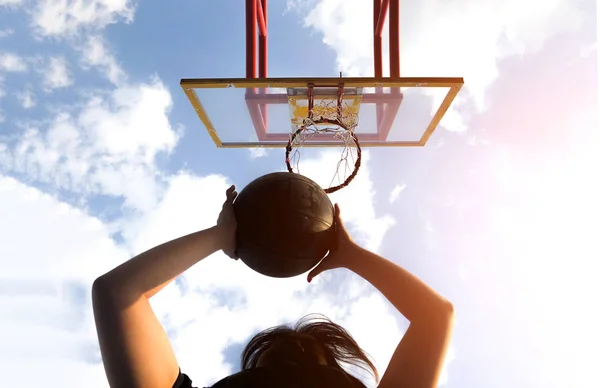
x=289 y=376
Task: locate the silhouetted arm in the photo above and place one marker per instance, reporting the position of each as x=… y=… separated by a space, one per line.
x=418 y=359
x=135 y=348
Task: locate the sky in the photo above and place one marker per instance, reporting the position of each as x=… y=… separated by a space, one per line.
x=102 y=157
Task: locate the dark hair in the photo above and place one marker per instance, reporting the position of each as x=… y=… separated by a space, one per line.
x=337 y=344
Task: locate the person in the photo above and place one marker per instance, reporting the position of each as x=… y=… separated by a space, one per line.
x=136 y=351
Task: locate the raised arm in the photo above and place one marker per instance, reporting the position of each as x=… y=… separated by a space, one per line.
x=135 y=348
x=418 y=359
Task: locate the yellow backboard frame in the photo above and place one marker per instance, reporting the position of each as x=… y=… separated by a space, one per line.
x=188 y=86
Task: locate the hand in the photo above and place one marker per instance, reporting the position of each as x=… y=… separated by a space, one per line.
x=343 y=251
x=227 y=224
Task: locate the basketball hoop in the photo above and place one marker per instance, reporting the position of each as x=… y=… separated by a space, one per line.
x=322 y=111
x=332 y=120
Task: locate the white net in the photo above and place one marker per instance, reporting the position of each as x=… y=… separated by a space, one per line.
x=332 y=122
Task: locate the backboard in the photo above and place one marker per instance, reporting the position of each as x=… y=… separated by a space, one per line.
x=264 y=112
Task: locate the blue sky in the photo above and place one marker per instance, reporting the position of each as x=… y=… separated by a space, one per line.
x=102 y=157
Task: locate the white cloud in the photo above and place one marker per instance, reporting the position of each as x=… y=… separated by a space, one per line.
x=26 y=98
x=65 y=18
x=50 y=254
x=2 y=94
x=257 y=152
x=105 y=145
x=9 y=3
x=12 y=62
x=6 y=32
x=68 y=243
x=95 y=53
x=9 y=62
x=349 y=34
x=380 y=344
x=56 y=74
x=588 y=50
x=395 y=193
x=441 y=39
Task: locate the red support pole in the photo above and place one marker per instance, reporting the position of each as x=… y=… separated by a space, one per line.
x=382 y=14
x=394 y=38
x=378 y=54
x=262 y=54
x=393 y=105
x=262 y=39
x=251 y=38
x=260 y=17
x=377 y=45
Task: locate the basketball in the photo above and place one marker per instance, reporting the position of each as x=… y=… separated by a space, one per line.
x=284 y=224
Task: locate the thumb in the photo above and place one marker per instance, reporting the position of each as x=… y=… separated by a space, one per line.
x=337 y=216
x=322 y=266
x=313 y=273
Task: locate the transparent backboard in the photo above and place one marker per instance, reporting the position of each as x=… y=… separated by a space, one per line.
x=247 y=112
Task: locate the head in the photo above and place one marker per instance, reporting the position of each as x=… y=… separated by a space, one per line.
x=311 y=341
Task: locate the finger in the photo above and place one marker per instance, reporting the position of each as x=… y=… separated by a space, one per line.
x=230 y=190
x=338 y=218
x=231 y=196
